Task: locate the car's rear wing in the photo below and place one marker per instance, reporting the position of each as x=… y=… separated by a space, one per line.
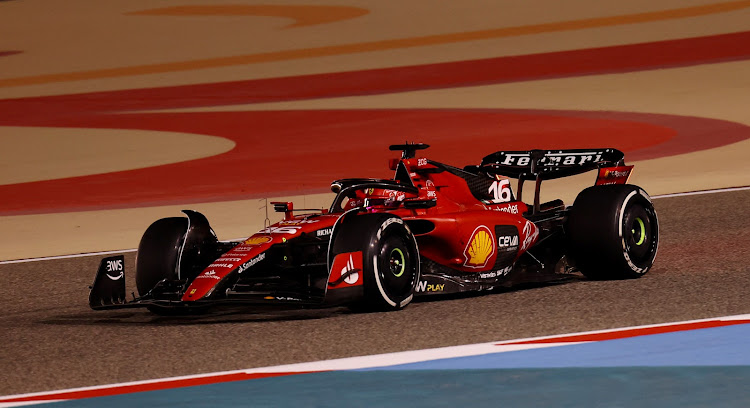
x=550 y=164
x=541 y=165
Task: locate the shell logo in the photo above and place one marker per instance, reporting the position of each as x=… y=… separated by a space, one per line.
x=258 y=240
x=480 y=248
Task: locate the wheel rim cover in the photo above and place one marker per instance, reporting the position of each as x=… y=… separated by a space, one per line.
x=641 y=231
x=397 y=262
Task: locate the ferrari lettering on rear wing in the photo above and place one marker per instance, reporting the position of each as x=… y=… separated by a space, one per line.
x=541 y=165
x=549 y=164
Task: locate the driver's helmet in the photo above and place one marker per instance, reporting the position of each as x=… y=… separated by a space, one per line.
x=375 y=196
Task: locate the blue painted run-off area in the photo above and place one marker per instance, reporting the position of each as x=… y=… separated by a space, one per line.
x=722 y=346
x=699 y=368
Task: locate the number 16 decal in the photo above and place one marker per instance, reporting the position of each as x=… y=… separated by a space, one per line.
x=500 y=190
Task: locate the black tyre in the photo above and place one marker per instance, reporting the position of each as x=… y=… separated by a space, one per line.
x=613 y=232
x=390 y=259
x=158 y=252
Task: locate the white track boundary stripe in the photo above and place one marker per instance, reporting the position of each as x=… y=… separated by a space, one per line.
x=87 y=254
x=702 y=192
x=83 y=255
x=372 y=361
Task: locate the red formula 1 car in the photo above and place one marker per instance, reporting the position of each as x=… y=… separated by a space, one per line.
x=432 y=229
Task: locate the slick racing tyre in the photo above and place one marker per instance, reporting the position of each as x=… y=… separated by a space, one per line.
x=390 y=259
x=158 y=252
x=613 y=232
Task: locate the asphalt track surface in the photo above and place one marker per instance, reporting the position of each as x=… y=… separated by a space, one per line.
x=51 y=340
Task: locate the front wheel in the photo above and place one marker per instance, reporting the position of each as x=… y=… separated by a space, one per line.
x=613 y=232
x=390 y=259
x=158 y=252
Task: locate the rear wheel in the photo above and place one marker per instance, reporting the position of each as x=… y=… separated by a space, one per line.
x=613 y=232
x=390 y=259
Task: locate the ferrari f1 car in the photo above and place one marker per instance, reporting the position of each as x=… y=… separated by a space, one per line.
x=432 y=229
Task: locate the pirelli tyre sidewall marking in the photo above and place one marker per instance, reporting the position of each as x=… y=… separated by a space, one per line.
x=620 y=222
x=386 y=223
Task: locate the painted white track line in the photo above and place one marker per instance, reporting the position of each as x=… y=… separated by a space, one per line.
x=701 y=192
x=52 y=258
x=83 y=255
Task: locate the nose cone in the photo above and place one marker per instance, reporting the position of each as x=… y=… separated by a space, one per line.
x=205 y=283
x=239 y=258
